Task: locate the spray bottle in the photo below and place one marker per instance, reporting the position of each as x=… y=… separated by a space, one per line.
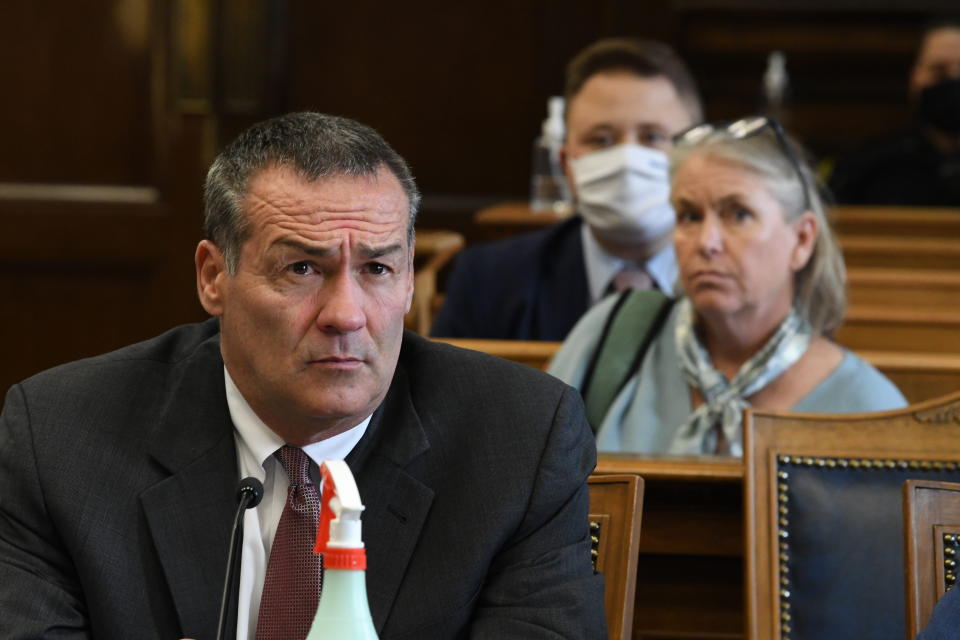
x=343 y=612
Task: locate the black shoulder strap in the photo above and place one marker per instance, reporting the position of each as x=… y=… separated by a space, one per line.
x=634 y=321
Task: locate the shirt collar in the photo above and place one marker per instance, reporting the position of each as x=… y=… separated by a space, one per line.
x=260 y=441
x=602 y=266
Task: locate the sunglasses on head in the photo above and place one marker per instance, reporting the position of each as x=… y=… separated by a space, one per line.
x=746 y=128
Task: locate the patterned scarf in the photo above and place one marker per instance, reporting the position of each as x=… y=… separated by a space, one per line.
x=725 y=401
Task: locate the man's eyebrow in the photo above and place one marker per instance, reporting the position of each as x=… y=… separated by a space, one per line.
x=365 y=251
x=318 y=252
x=371 y=253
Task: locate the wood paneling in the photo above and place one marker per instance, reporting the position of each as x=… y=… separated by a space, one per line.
x=99 y=183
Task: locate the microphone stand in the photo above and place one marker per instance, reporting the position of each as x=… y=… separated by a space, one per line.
x=249 y=494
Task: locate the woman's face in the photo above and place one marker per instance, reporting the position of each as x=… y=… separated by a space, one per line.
x=737 y=253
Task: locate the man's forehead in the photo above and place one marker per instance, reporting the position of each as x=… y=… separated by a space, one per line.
x=277 y=193
x=614 y=89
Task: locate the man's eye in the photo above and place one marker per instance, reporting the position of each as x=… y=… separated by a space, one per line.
x=600 y=140
x=301 y=268
x=377 y=269
x=686 y=216
x=653 y=139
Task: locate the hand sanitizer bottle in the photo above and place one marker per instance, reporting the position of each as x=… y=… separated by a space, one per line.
x=548 y=186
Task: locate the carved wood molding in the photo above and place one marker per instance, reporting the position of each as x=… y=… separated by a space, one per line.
x=939 y=415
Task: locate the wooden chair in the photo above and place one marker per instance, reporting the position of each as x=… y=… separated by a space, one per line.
x=823 y=516
x=931 y=512
x=616 y=502
x=533 y=353
x=434 y=250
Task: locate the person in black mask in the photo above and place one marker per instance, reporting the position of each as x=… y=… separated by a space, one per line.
x=919 y=165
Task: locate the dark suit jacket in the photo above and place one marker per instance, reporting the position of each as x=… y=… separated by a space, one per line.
x=530 y=287
x=117 y=492
x=945 y=621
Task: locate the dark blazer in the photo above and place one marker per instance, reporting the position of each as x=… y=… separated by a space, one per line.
x=945 y=621
x=117 y=492
x=530 y=287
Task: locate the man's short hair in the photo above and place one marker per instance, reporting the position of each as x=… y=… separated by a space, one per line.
x=316 y=146
x=645 y=58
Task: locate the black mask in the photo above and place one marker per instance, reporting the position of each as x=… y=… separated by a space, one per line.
x=940 y=106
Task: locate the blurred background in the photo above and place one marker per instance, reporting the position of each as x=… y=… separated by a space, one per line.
x=112 y=110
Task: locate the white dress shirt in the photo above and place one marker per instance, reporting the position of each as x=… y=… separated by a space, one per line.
x=602 y=266
x=256 y=443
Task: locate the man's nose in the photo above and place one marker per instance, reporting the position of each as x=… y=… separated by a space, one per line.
x=341 y=308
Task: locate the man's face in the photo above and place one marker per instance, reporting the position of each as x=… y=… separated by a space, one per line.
x=311 y=322
x=939 y=60
x=619 y=106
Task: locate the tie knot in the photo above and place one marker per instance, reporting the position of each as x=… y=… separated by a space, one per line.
x=296 y=463
x=632 y=277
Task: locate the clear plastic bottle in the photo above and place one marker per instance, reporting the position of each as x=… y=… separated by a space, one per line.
x=549 y=191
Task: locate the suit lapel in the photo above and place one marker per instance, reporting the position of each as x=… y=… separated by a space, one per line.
x=396 y=502
x=190 y=513
x=563 y=295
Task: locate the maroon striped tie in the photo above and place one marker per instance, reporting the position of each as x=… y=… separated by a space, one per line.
x=291 y=589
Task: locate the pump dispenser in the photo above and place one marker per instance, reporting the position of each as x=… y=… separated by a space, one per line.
x=548 y=186
x=343 y=612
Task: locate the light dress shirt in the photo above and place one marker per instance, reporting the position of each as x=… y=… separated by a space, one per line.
x=256 y=444
x=602 y=267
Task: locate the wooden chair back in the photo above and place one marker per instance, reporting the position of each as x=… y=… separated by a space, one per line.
x=434 y=249
x=532 y=353
x=823 y=516
x=616 y=502
x=931 y=512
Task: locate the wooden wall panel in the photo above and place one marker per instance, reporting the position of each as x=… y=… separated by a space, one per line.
x=99 y=182
x=76 y=99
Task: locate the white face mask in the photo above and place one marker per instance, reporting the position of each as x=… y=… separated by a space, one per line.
x=623 y=193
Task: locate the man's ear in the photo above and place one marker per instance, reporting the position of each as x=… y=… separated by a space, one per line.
x=411 y=278
x=806 y=229
x=211 y=275
x=565 y=167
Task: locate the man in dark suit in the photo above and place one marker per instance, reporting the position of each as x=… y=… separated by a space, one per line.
x=625 y=100
x=118 y=473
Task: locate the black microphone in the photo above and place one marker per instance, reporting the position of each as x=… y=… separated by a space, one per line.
x=249 y=494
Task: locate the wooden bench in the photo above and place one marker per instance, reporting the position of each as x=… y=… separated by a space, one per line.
x=690 y=570
x=933 y=222
x=919 y=376
x=904 y=288
x=908 y=252
x=896 y=328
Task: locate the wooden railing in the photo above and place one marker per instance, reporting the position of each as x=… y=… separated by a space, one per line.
x=919 y=375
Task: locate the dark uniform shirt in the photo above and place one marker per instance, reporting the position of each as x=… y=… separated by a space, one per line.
x=903 y=168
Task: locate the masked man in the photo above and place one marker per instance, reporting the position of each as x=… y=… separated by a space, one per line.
x=625 y=100
x=919 y=165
